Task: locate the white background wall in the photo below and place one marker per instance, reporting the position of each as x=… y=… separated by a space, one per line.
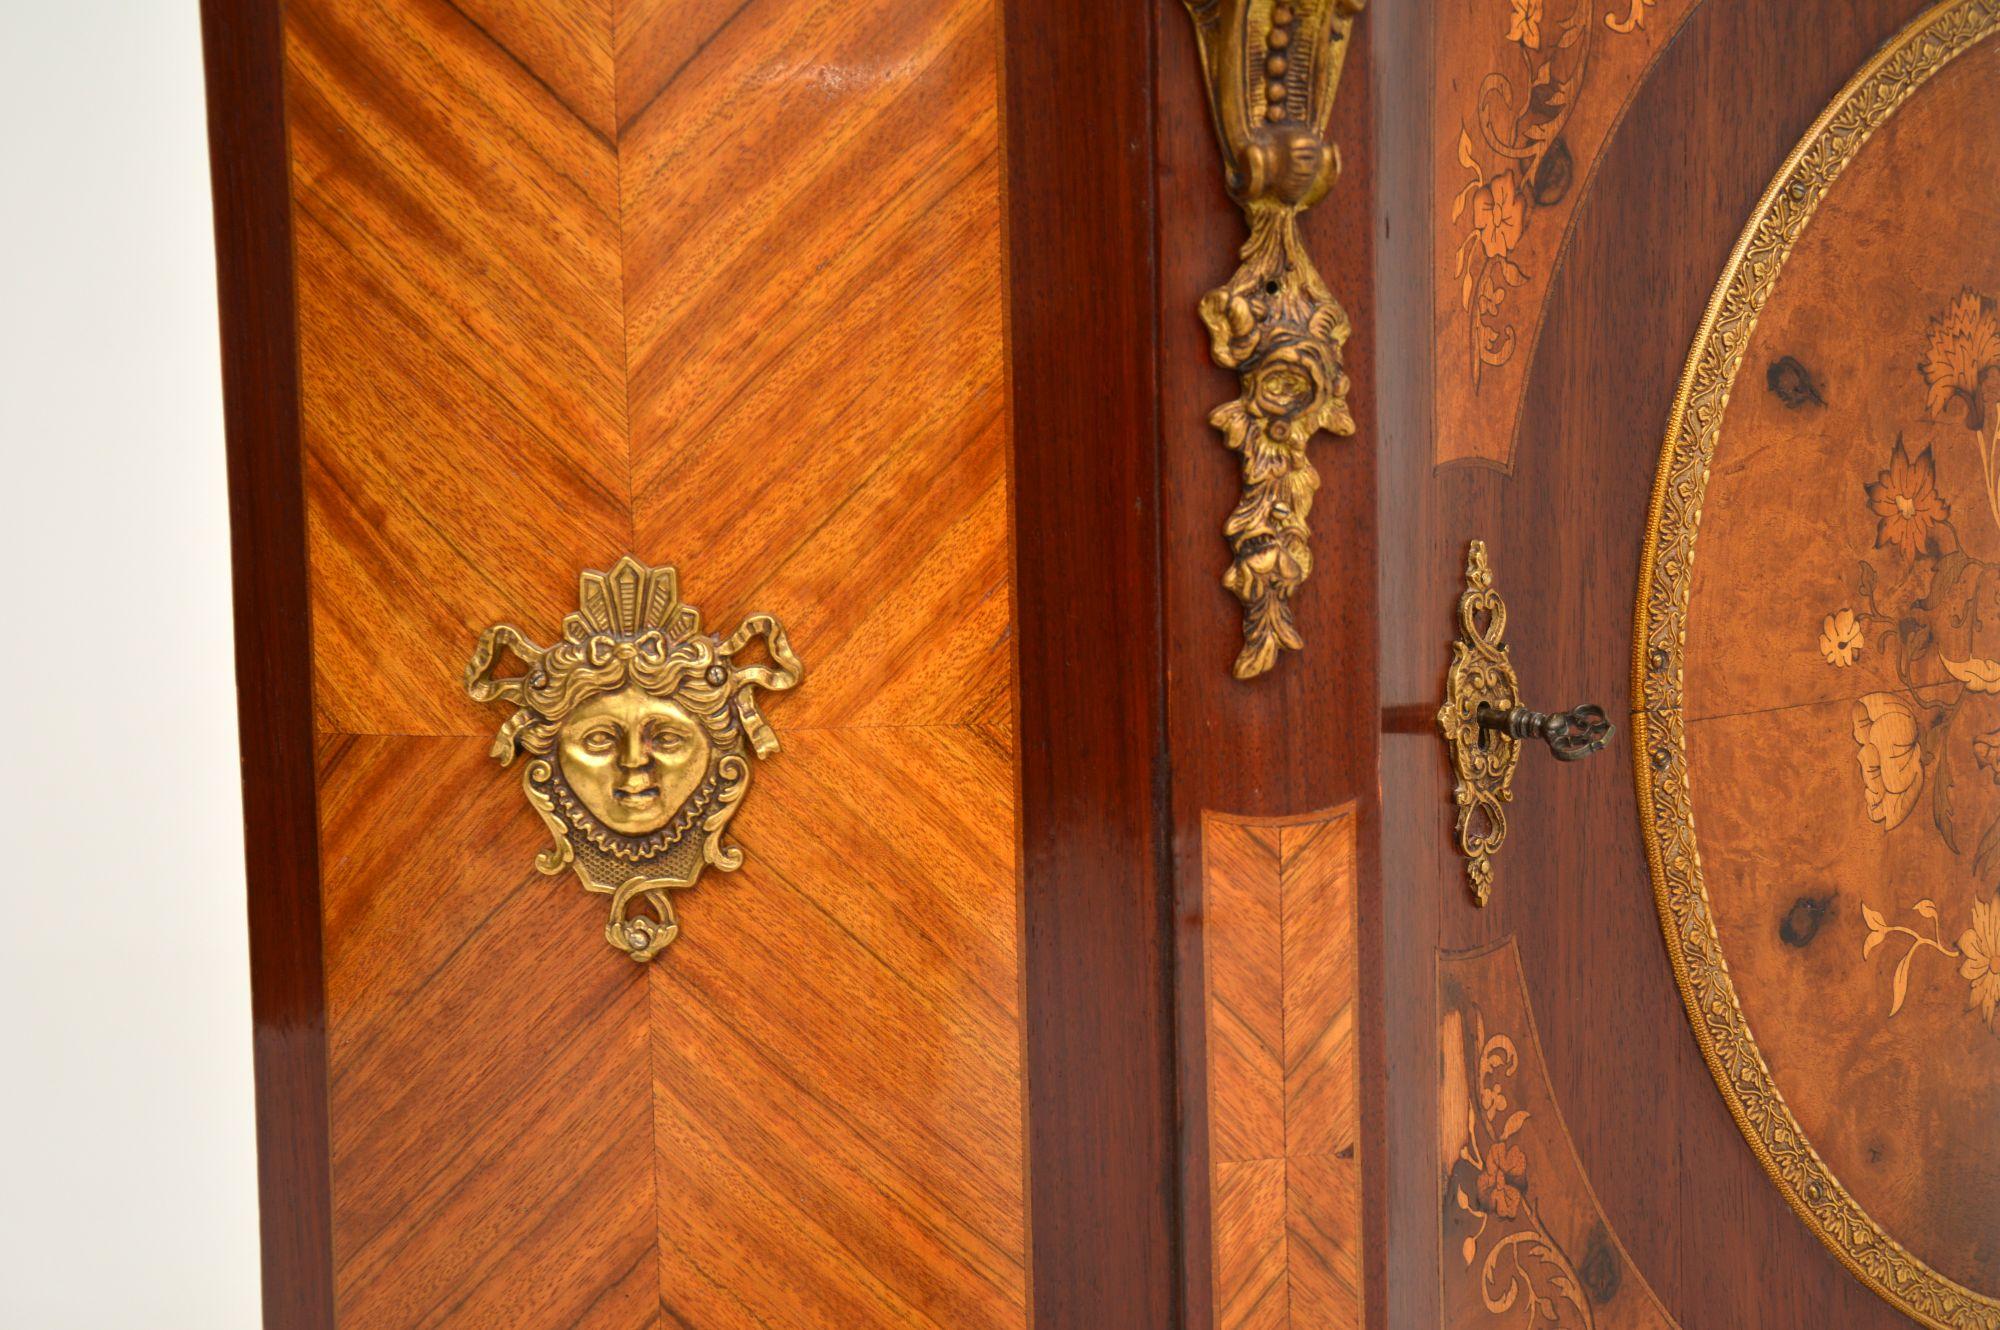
x=127 y=1161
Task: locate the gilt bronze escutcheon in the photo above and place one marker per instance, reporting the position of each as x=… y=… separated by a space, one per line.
x=638 y=729
x=1272 y=67
x=1485 y=724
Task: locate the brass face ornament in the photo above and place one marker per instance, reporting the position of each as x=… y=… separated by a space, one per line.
x=638 y=729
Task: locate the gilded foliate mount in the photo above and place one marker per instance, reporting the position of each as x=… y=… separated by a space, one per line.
x=1272 y=68
x=638 y=729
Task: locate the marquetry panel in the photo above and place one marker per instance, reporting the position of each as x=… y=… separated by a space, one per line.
x=461 y=346
x=718 y=285
x=491 y=1138
x=835 y=1054
x=813 y=286
x=1833 y=913
x=1522 y=1227
x=1525 y=95
x=1278 y=914
x=565 y=44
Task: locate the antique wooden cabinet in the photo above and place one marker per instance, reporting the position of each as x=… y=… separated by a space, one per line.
x=1104 y=855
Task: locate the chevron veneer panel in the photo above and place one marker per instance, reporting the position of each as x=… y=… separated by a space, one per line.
x=491 y=1142
x=813 y=293
x=836 y=1079
x=718 y=284
x=461 y=346
x=1278 y=918
x=810 y=197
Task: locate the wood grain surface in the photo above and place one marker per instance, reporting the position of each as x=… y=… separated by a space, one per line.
x=869 y=1096
x=491 y=1142
x=1524 y=98
x=1282 y=1072
x=244 y=66
x=815 y=390
x=1850 y=884
x=720 y=286
x=1303 y=738
x=1521 y=1225
x=1097 y=913
x=719 y=283
x=1119 y=222
x=1702 y=136
x=461 y=341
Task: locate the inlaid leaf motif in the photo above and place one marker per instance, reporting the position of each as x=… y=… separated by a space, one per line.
x=1980 y=676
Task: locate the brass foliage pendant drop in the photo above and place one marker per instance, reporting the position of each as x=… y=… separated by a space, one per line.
x=1272 y=68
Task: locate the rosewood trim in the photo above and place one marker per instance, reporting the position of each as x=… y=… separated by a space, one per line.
x=1096 y=905
x=244 y=48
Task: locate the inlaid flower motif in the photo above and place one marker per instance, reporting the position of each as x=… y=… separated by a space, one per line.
x=1635 y=18
x=1503 y=1179
x=1498 y=214
x=1840 y=638
x=1905 y=500
x=1892 y=767
x=1964 y=347
x=1979 y=946
x=1525 y=26
x=1986 y=752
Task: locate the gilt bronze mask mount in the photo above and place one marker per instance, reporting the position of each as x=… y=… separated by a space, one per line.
x=638 y=729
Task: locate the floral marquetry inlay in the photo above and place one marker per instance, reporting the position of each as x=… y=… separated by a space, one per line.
x=1524 y=1241
x=1818 y=748
x=1920 y=597
x=1528 y=93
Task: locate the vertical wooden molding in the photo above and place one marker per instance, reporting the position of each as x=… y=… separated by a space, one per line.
x=1285 y=1163
x=243 y=45
x=1306 y=736
x=1096 y=905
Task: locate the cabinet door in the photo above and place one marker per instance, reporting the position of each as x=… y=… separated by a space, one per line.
x=715 y=286
x=1786 y=1107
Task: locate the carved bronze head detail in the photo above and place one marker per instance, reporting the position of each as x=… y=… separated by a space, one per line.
x=638 y=729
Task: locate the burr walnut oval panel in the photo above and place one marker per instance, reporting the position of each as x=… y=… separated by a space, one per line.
x=1819 y=744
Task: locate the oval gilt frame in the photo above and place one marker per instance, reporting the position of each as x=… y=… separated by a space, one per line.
x=1931 y=42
